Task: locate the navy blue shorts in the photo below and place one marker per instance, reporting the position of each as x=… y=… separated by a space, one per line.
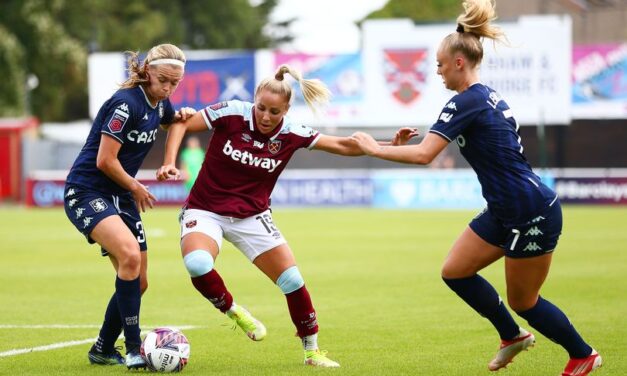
x=86 y=208
x=535 y=238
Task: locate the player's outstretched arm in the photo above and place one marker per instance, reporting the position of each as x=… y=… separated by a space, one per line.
x=422 y=153
x=176 y=132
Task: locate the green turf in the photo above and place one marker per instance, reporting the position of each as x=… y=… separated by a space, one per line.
x=373 y=276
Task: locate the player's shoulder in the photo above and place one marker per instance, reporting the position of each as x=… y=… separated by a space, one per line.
x=232 y=107
x=297 y=129
x=127 y=99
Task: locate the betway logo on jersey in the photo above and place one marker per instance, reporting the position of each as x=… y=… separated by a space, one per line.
x=246 y=158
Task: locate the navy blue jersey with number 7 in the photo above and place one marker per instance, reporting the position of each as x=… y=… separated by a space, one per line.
x=485 y=130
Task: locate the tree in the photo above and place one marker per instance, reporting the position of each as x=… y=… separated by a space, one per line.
x=419 y=11
x=52 y=38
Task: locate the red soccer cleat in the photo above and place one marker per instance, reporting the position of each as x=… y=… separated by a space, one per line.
x=583 y=366
x=509 y=349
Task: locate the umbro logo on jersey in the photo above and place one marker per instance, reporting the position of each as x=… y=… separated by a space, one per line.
x=247 y=158
x=246 y=137
x=534 y=231
x=532 y=246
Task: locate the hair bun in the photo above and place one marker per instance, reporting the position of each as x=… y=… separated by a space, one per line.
x=460 y=28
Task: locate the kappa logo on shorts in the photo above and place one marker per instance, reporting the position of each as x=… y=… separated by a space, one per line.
x=191 y=224
x=98 y=205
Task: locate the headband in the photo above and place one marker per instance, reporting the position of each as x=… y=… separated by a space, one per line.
x=167 y=61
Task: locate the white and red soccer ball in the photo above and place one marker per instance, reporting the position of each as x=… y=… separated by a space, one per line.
x=165 y=350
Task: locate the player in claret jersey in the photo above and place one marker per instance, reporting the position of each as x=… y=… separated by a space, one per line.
x=250 y=146
x=103 y=198
x=523 y=219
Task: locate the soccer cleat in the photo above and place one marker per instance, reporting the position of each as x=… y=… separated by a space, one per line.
x=253 y=328
x=134 y=360
x=105 y=359
x=509 y=349
x=319 y=358
x=583 y=366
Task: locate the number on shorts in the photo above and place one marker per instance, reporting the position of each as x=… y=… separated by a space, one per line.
x=140 y=226
x=266 y=221
x=517 y=232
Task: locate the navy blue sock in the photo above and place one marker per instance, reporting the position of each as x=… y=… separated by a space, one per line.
x=111 y=327
x=129 y=299
x=554 y=325
x=483 y=298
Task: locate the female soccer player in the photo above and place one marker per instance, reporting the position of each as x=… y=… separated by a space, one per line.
x=103 y=198
x=523 y=219
x=250 y=146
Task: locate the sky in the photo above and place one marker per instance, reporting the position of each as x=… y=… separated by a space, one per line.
x=324 y=25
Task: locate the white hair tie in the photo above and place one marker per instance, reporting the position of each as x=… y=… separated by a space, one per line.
x=167 y=61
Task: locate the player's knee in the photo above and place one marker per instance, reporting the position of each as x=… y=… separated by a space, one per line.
x=290 y=280
x=198 y=262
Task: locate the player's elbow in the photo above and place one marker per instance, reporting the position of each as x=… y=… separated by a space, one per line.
x=102 y=163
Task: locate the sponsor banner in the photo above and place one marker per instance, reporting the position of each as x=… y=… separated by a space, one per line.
x=402 y=87
x=210 y=76
x=599 y=81
x=599 y=190
x=455 y=189
x=212 y=80
x=47 y=193
x=342 y=74
x=331 y=191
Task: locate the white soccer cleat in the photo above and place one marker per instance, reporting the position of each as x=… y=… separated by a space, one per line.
x=509 y=349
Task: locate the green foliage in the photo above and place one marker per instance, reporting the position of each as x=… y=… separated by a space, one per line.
x=52 y=38
x=420 y=11
x=12 y=90
x=374 y=277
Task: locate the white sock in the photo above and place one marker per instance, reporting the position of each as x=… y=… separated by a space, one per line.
x=310 y=342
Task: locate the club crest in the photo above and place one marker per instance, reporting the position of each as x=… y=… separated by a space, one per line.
x=274 y=146
x=405 y=72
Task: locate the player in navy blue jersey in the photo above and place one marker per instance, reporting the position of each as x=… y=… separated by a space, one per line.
x=103 y=198
x=523 y=218
x=251 y=143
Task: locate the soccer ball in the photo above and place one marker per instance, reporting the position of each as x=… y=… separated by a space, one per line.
x=165 y=350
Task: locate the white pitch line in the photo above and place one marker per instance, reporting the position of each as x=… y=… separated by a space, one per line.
x=47 y=347
x=60 y=345
x=87 y=326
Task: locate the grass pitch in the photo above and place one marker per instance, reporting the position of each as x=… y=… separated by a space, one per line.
x=373 y=276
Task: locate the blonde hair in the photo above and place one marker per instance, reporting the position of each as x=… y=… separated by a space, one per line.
x=137 y=70
x=314 y=91
x=473 y=25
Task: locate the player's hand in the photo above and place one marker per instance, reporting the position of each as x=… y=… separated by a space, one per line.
x=167 y=172
x=184 y=113
x=403 y=135
x=143 y=198
x=366 y=142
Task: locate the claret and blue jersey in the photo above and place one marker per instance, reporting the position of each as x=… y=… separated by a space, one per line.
x=129 y=118
x=485 y=130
